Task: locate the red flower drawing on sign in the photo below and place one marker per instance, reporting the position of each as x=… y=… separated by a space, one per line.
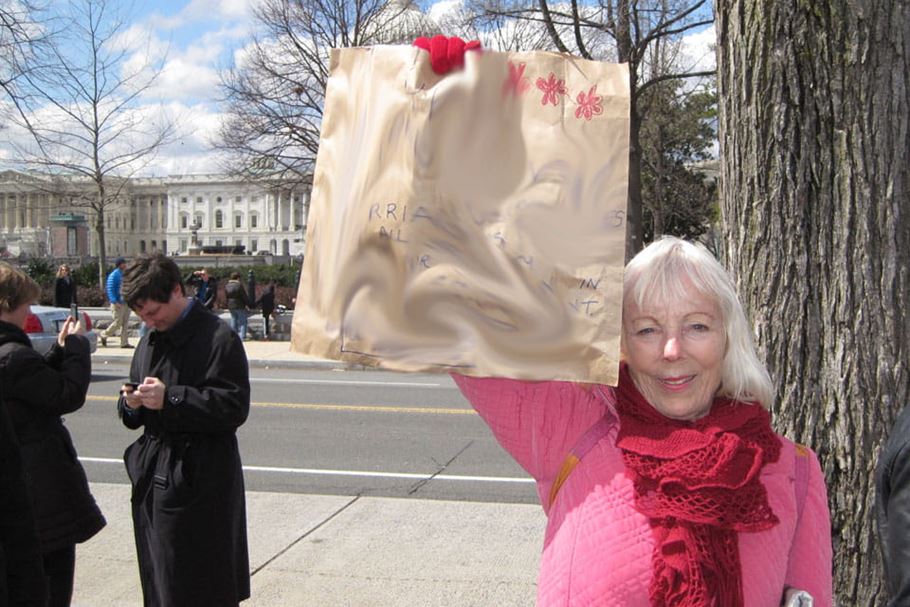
x=589 y=105
x=551 y=87
x=517 y=83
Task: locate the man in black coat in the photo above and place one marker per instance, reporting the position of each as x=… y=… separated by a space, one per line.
x=189 y=511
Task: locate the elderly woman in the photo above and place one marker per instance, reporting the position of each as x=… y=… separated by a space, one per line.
x=671 y=488
x=37 y=391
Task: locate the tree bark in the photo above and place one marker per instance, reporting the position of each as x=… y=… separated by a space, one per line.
x=102 y=239
x=635 y=228
x=815 y=144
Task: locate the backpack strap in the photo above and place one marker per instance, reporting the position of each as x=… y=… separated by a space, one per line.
x=587 y=441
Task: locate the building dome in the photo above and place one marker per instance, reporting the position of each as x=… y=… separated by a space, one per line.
x=401 y=21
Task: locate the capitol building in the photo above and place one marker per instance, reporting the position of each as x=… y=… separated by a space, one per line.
x=44 y=216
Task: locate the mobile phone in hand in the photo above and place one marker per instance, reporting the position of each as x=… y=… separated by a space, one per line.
x=74 y=312
x=133 y=386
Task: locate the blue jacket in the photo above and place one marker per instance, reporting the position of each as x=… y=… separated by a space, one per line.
x=113 y=286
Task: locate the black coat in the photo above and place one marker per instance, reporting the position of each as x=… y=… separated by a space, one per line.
x=892 y=488
x=64 y=292
x=189 y=509
x=267 y=301
x=22 y=581
x=37 y=390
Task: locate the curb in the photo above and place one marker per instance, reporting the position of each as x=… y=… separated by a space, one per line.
x=259 y=363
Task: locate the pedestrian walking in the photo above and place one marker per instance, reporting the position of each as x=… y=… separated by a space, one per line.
x=266 y=304
x=237 y=303
x=120 y=313
x=190 y=393
x=38 y=390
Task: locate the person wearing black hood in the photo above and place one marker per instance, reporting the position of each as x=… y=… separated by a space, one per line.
x=22 y=580
x=37 y=391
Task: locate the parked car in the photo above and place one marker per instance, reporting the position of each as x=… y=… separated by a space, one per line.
x=44 y=323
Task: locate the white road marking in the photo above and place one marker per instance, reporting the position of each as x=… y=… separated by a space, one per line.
x=341 y=382
x=364 y=473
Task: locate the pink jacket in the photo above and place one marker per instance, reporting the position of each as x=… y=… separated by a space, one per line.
x=597 y=548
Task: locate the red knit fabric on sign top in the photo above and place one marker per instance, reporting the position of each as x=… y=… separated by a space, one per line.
x=698 y=483
x=446 y=53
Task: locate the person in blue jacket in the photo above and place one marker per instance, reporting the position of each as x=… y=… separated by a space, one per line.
x=120 y=313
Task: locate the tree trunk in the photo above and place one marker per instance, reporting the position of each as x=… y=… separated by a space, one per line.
x=99 y=228
x=635 y=229
x=625 y=54
x=815 y=144
x=657 y=205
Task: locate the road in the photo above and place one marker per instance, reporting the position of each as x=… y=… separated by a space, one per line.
x=365 y=433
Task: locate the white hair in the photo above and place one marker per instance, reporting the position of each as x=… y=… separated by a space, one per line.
x=665 y=271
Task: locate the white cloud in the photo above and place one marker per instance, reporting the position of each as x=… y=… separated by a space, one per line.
x=190 y=152
x=209 y=11
x=137 y=37
x=185 y=80
x=191 y=73
x=444 y=10
x=698 y=50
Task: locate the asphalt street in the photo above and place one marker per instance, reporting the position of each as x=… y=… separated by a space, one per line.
x=364 y=488
x=365 y=433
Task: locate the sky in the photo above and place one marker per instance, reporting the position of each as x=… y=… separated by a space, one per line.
x=197 y=39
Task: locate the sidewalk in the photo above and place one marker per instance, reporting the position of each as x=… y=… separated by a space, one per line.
x=262 y=354
x=322 y=550
x=327 y=551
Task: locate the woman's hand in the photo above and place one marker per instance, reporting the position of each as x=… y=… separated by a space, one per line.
x=70 y=327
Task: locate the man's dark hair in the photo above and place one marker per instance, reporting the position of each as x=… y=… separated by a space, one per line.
x=150 y=277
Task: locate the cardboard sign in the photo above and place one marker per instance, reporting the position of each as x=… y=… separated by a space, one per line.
x=473 y=222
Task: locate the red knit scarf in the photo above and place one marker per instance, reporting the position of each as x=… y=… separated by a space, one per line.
x=698 y=484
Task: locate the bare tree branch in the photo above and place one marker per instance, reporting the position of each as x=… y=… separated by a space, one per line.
x=680 y=76
x=80 y=105
x=273 y=95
